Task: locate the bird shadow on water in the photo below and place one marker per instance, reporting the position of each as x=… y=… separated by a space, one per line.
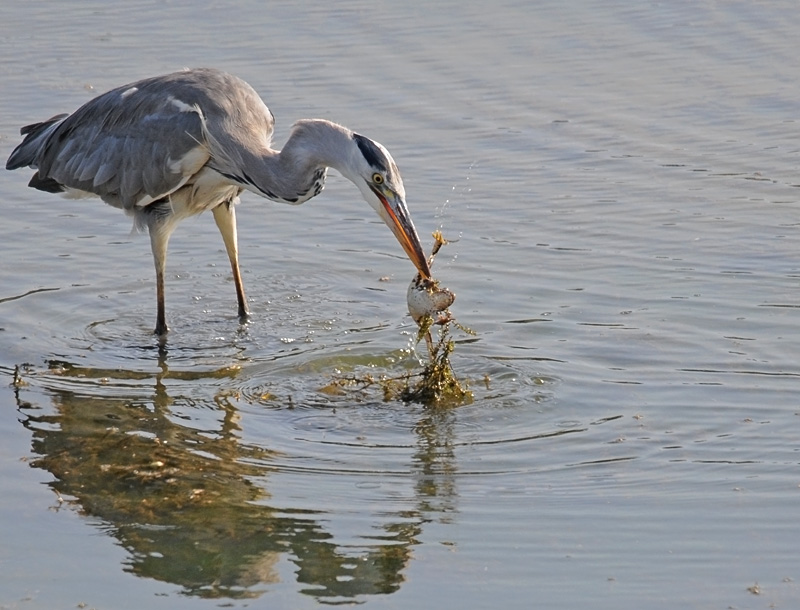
x=157 y=461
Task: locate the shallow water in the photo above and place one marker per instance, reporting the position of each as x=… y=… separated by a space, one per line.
x=619 y=182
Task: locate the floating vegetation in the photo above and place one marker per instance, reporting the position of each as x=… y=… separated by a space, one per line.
x=437 y=384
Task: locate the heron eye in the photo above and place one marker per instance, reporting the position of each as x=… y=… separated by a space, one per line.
x=377 y=178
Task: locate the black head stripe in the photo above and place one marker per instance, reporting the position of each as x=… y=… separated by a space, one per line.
x=371 y=152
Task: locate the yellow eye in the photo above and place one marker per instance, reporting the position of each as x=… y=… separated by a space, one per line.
x=377 y=178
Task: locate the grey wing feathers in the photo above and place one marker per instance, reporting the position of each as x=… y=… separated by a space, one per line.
x=25 y=153
x=125 y=146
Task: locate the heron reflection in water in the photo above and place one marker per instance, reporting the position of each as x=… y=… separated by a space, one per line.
x=169 y=476
x=166 y=148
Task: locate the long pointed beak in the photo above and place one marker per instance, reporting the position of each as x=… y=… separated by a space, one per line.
x=395 y=215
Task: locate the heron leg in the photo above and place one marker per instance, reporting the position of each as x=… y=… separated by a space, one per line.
x=159 y=239
x=225 y=217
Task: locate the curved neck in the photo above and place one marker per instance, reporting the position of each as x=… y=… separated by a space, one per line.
x=297 y=172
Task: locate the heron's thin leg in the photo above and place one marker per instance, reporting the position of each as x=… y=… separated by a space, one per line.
x=159 y=238
x=225 y=217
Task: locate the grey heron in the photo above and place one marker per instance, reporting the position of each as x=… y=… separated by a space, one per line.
x=169 y=147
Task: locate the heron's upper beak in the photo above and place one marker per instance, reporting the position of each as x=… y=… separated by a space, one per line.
x=395 y=214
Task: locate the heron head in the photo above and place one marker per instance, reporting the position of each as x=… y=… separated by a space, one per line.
x=377 y=177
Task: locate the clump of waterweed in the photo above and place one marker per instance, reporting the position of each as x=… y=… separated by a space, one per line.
x=437 y=384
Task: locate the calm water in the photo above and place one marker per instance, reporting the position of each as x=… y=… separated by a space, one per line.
x=621 y=180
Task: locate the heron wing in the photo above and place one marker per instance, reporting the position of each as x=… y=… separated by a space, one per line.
x=140 y=142
x=130 y=146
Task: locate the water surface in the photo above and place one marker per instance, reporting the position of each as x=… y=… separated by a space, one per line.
x=620 y=183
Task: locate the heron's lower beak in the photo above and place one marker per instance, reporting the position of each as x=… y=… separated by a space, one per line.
x=395 y=214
